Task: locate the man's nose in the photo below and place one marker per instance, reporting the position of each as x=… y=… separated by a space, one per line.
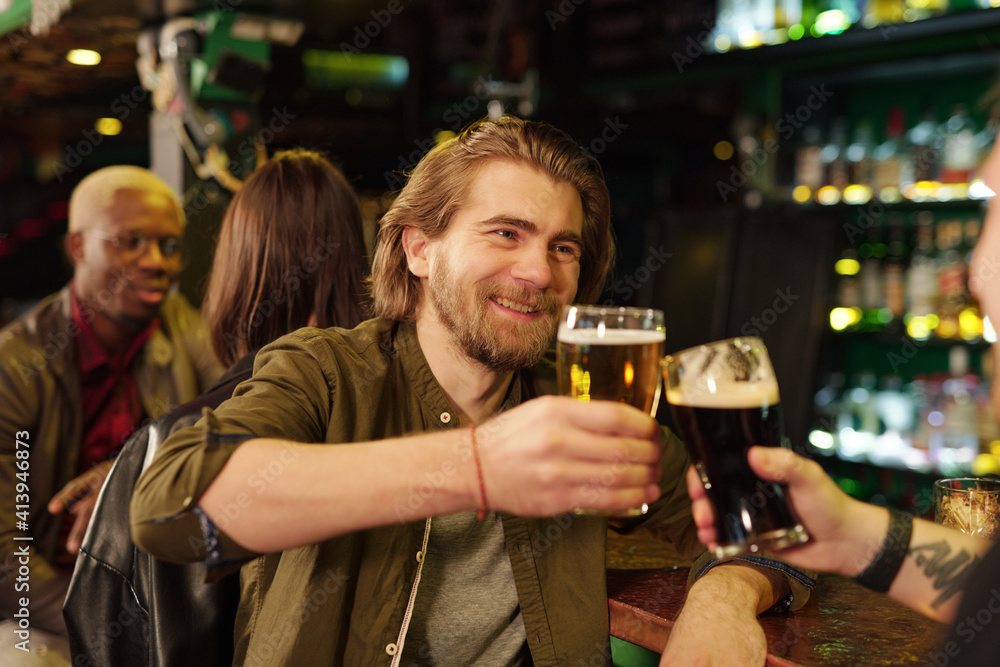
x=533 y=266
x=152 y=257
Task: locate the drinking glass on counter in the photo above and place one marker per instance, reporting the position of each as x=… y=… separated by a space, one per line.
x=724 y=398
x=611 y=354
x=968 y=504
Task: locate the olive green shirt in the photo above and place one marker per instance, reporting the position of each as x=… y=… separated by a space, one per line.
x=348 y=600
x=40 y=407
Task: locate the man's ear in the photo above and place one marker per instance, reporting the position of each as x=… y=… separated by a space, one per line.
x=415 y=245
x=74 y=247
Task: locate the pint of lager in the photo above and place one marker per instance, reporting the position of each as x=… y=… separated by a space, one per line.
x=611 y=354
x=724 y=397
x=620 y=365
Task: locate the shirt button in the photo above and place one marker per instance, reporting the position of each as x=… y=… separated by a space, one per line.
x=420 y=556
x=445 y=417
x=391 y=649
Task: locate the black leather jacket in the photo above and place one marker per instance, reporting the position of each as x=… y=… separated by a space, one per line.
x=125 y=607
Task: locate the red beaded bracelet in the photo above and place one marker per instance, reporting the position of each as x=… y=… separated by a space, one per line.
x=481 y=513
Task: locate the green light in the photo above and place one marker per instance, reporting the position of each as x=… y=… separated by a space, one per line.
x=849 y=486
x=337 y=69
x=796 y=31
x=832 y=22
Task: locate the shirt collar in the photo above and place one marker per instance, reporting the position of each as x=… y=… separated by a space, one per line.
x=90 y=353
x=407 y=346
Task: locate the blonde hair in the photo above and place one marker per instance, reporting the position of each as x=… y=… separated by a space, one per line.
x=95 y=193
x=439 y=183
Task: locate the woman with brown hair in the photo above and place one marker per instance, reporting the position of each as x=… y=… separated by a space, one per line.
x=290 y=254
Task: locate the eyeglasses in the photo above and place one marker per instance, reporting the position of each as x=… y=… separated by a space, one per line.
x=136 y=244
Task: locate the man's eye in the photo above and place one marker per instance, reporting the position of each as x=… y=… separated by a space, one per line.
x=132 y=243
x=506 y=233
x=566 y=250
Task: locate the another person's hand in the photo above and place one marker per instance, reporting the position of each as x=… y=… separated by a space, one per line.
x=79 y=496
x=553 y=454
x=723 y=603
x=844 y=533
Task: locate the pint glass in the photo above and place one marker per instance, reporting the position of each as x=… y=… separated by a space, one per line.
x=724 y=398
x=611 y=354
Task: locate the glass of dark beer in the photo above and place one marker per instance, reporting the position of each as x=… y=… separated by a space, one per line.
x=611 y=354
x=724 y=398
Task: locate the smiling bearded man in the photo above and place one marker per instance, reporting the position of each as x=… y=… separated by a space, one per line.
x=426 y=483
x=498 y=346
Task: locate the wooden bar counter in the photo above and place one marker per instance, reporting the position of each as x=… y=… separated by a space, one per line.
x=842 y=624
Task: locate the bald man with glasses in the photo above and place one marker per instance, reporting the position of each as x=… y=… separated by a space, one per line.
x=81 y=371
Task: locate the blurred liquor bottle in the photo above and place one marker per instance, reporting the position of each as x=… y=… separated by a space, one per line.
x=925 y=146
x=921 y=277
x=895 y=267
x=961 y=157
x=859 y=164
x=890 y=157
x=834 y=159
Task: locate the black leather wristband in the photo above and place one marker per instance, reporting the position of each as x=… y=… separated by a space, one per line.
x=881 y=572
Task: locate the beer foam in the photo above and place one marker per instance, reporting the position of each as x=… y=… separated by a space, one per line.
x=731 y=396
x=610 y=336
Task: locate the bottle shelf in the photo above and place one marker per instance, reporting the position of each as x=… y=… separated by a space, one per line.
x=906 y=205
x=683 y=61
x=896 y=337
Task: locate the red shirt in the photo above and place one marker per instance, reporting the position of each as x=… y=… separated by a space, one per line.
x=109 y=401
x=108 y=393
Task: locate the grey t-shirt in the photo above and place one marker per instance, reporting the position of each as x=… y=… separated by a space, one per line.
x=466 y=611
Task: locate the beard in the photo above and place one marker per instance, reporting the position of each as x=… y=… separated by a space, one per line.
x=498 y=345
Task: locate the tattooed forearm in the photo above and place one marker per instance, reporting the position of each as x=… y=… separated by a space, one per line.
x=949 y=571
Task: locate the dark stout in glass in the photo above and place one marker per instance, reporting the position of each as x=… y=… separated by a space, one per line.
x=718 y=431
